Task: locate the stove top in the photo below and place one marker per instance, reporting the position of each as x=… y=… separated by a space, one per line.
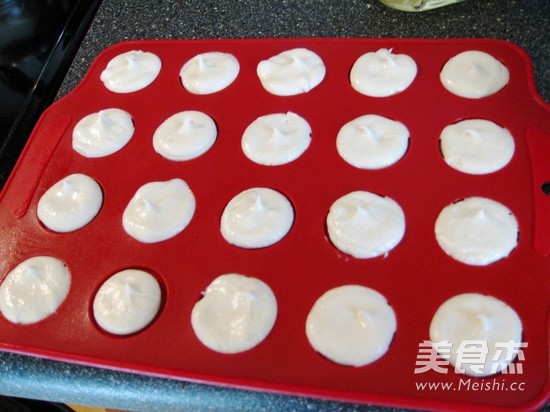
x=38 y=40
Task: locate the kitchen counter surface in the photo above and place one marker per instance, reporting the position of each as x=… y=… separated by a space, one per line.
x=522 y=22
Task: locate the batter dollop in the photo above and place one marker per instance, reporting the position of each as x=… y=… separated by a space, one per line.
x=486 y=323
x=372 y=142
x=365 y=225
x=209 y=73
x=477 y=231
x=185 y=135
x=70 y=204
x=131 y=71
x=476 y=146
x=474 y=74
x=291 y=72
x=256 y=218
x=103 y=133
x=382 y=73
x=351 y=325
x=159 y=211
x=34 y=289
x=235 y=314
x=276 y=139
x=127 y=302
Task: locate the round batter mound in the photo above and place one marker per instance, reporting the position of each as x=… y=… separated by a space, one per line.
x=256 y=218
x=372 y=142
x=34 y=289
x=351 y=325
x=209 y=73
x=159 y=211
x=131 y=71
x=185 y=136
x=276 y=139
x=70 y=204
x=235 y=314
x=382 y=73
x=476 y=146
x=127 y=302
x=365 y=225
x=473 y=323
x=477 y=231
x=291 y=72
x=103 y=133
x=474 y=74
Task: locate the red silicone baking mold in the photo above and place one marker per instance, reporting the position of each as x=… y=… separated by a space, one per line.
x=416 y=277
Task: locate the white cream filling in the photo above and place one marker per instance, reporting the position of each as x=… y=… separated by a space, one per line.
x=131 y=71
x=291 y=72
x=276 y=139
x=472 y=324
x=477 y=231
x=235 y=314
x=365 y=225
x=70 y=204
x=476 y=146
x=209 y=72
x=185 y=136
x=103 y=133
x=382 y=73
x=256 y=218
x=127 y=302
x=351 y=325
x=372 y=142
x=34 y=289
x=159 y=211
x=474 y=74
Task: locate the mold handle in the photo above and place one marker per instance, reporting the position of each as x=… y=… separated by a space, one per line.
x=539 y=151
x=26 y=174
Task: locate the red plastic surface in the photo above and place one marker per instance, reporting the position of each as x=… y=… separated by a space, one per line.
x=539 y=149
x=416 y=277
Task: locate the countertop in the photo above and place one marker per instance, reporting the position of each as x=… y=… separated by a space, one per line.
x=524 y=23
x=521 y=22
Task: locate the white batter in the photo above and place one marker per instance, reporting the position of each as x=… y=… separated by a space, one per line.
x=372 y=142
x=185 y=136
x=474 y=74
x=159 y=211
x=256 y=218
x=477 y=231
x=291 y=72
x=34 y=289
x=382 y=73
x=276 y=139
x=103 y=133
x=365 y=225
x=127 y=302
x=70 y=204
x=131 y=71
x=235 y=313
x=484 y=320
x=476 y=146
x=209 y=72
x=351 y=325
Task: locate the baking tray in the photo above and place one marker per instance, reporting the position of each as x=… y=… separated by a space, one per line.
x=416 y=277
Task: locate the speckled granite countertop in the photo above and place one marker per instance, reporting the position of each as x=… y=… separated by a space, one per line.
x=522 y=22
